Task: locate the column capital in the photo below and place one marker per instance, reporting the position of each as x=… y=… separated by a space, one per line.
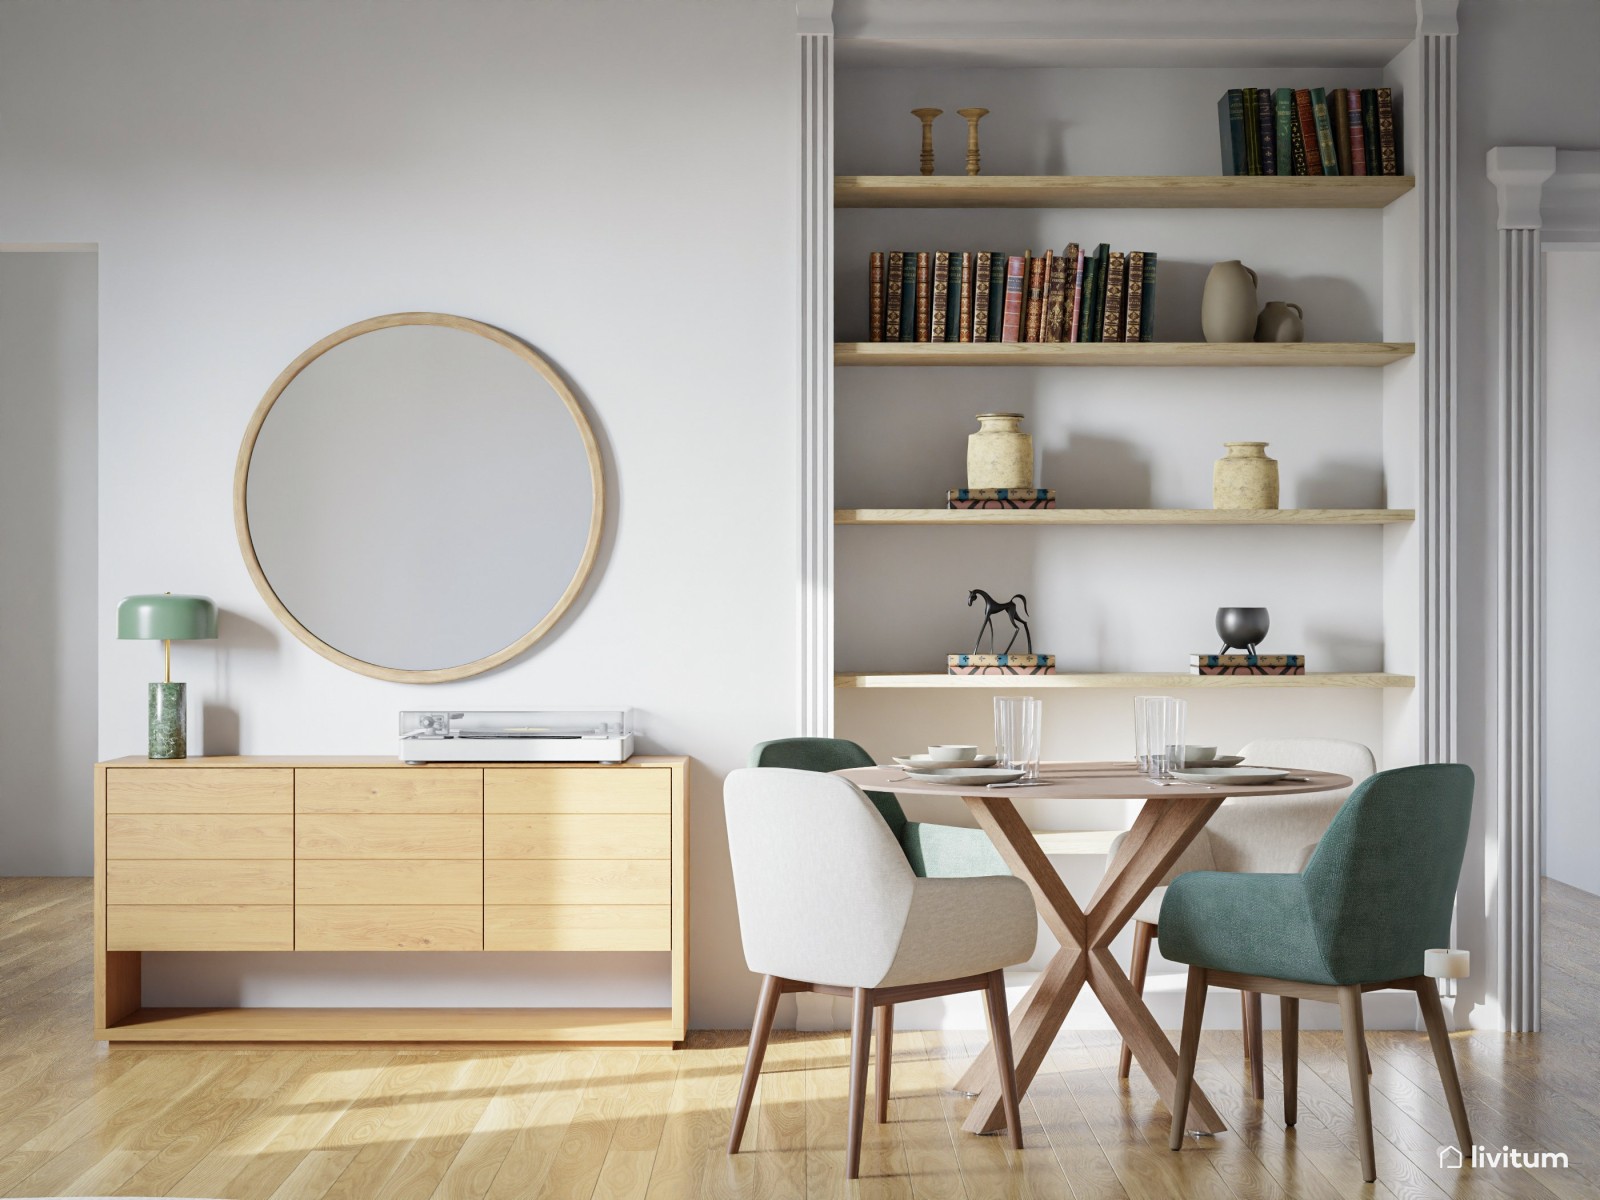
x=814 y=16
x=1519 y=174
x=1437 y=18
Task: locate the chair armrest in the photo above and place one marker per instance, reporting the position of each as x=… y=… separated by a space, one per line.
x=950 y=851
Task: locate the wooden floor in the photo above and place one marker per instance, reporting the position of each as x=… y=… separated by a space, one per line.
x=418 y=1122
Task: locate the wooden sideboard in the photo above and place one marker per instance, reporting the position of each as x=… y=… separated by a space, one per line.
x=364 y=854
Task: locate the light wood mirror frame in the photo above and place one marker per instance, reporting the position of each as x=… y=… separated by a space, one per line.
x=241 y=519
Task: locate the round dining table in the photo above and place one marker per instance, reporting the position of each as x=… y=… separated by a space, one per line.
x=1171 y=815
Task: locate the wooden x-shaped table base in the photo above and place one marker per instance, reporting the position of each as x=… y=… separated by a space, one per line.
x=1164 y=827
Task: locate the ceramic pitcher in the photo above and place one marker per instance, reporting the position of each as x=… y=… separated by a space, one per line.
x=1246 y=478
x=999 y=455
x=1228 y=306
x=1281 y=321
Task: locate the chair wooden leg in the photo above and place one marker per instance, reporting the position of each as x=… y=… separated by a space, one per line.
x=1258 y=1068
x=760 y=1030
x=1000 y=1038
x=1289 y=1017
x=1355 y=1038
x=1143 y=934
x=883 y=1048
x=1194 y=1007
x=860 y=1037
x=1439 y=1037
x=1244 y=1024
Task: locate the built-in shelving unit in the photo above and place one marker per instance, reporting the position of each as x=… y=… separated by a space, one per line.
x=1121 y=354
x=1118 y=191
x=1130 y=679
x=1123 y=516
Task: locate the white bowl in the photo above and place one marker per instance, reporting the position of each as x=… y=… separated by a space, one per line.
x=1197 y=755
x=955 y=753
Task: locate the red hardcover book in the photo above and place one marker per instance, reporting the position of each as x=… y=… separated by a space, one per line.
x=875 y=297
x=1358 y=134
x=1307 y=120
x=924 y=286
x=1055 y=301
x=964 y=312
x=1075 y=329
x=1011 y=330
x=1035 y=312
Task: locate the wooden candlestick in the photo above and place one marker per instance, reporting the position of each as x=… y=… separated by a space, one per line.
x=973 y=115
x=926 y=116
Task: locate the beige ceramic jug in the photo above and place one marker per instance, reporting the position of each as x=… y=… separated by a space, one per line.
x=999 y=455
x=1281 y=321
x=1228 y=306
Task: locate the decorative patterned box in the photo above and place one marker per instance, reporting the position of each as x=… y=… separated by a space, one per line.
x=1247 y=664
x=1000 y=498
x=1000 y=664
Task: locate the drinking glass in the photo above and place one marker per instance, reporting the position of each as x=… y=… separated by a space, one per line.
x=1159 y=732
x=1018 y=729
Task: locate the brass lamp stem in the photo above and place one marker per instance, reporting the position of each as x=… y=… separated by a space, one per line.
x=166 y=646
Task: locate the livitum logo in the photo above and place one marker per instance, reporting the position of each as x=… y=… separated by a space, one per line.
x=1506 y=1156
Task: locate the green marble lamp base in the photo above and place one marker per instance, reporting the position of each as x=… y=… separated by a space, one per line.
x=169 y=721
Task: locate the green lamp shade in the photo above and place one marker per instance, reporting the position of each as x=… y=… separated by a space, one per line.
x=167 y=617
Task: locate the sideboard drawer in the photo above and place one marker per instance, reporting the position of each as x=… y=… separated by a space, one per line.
x=577 y=881
x=388 y=927
x=199 y=881
x=199 y=927
x=374 y=835
x=199 y=835
x=577 y=790
x=577 y=927
x=389 y=790
x=575 y=835
x=188 y=790
x=389 y=881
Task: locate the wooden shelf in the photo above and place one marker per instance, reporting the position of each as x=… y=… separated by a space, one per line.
x=1118 y=191
x=652 y=1025
x=1129 y=680
x=1123 y=516
x=1120 y=354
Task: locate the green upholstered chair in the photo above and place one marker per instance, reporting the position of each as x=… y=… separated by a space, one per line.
x=1376 y=894
x=934 y=851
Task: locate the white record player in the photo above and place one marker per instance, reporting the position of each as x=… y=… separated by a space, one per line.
x=563 y=735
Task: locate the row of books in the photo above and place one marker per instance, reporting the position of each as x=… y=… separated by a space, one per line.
x=1309 y=131
x=1079 y=295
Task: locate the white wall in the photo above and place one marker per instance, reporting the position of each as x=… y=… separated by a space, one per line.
x=1572 y=567
x=47 y=561
x=613 y=181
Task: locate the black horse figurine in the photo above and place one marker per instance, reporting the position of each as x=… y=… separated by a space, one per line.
x=992 y=607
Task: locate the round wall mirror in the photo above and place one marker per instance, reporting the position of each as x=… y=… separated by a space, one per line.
x=419 y=497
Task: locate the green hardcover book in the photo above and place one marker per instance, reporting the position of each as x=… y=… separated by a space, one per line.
x=1147 y=325
x=1326 y=146
x=1369 y=130
x=997 y=294
x=908 y=297
x=1283 y=121
x=1097 y=292
x=1086 y=309
x=958 y=283
x=1230 y=125
x=1252 y=137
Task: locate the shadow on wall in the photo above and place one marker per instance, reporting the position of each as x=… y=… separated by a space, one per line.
x=1097 y=472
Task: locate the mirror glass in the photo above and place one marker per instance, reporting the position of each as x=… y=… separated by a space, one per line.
x=421 y=497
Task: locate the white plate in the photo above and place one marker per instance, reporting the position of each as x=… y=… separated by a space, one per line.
x=964 y=775
x=1230 y=775
x=921 y=762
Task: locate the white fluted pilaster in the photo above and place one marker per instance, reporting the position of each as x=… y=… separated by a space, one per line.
x=816 y=368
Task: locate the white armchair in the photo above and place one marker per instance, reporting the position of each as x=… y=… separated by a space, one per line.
x=1269 y=834
x=828 y=903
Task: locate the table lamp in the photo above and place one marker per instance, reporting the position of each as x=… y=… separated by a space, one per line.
x=172 y=619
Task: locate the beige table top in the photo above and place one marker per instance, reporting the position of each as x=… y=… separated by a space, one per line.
x=1094 y=781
